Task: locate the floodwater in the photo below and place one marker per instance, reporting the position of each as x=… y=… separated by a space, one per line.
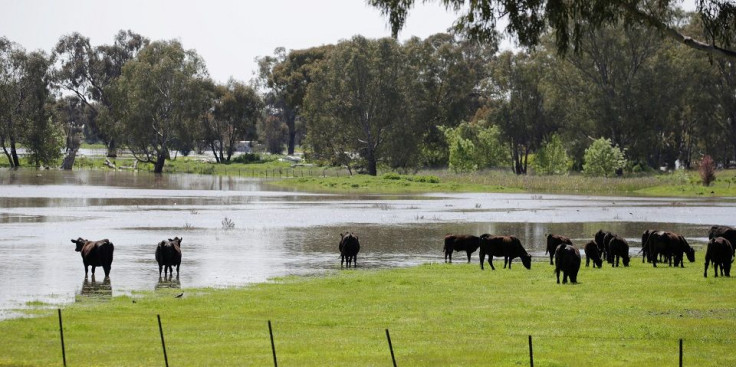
x=276 y=232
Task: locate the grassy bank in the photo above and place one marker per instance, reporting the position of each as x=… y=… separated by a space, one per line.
x=437 y=314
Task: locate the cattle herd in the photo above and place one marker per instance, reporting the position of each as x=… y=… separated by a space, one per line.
x=99 y=253
x=656 y=246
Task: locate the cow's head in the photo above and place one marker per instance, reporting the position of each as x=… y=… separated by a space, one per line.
x=176 y=241
x=527 y=261
x=690 y=252
x=80 y=243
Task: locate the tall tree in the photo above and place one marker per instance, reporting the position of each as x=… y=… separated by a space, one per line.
x=160 y=96
x=88 y=71
x=288 y=75
x=235 y=113
x=528 y=20
x=357 y=101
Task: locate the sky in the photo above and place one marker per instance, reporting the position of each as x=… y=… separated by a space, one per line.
x=227 y=34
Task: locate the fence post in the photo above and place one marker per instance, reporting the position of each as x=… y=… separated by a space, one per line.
x=531 y=352
x=391 y=348
x=61 y=332
x=680 y=352
x=273 y=346
x=163 y=344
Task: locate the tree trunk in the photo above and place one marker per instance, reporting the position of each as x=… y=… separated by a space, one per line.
x=13 y=153
x=68 y=162
x=371 y=160
x=7 y=154
x=160 y=160
x=112 y=149
x=214 y=152
x=291 y=125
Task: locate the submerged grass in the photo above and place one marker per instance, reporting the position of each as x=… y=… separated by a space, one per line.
x=437 y=314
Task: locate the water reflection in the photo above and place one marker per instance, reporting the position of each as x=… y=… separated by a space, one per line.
x=91 y=289
x=168 y=282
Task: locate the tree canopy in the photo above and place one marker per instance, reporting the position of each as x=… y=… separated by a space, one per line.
x=529 y=20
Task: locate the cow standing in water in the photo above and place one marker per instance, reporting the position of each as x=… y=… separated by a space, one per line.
x=349 y=247
x=467 y=243
x=94 y=254
x=168 y=255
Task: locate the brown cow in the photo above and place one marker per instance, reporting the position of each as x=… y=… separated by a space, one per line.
x=168 y=254
x=617 y=249
x=672 y=245
x=720 y=253
x=507 y=246
x=554 y=240
x=95 y=253
x=467 y=243
x=729 y=233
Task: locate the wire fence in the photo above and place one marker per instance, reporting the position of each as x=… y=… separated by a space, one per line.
x=674 y=348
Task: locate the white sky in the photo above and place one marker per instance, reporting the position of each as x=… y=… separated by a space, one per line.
x=228 y=34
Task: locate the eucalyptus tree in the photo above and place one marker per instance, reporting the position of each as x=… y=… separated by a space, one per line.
x=87 y=72
x=24 y=97
x=520 y=109
x=528 y=20
x=447 y=72
x=237 y=107
x=160 y=97
x=287 y=77
x=357 y=102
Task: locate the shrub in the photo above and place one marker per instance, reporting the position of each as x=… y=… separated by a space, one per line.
x=391 y=176
x=603 y=159
x=707 y=170
x=247 y=158
x=552 y=158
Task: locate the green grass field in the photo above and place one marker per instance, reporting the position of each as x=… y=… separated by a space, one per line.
x=437 y=314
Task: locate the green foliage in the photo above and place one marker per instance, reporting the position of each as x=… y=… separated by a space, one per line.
x=473 y=146
x=603 y=159
x=247 y=158
x=552 y=158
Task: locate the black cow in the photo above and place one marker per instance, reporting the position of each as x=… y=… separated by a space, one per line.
x=507 y=246
x=592 y=253
x=600 y=240
x=671 y=245
x=168 y=255
x=349 y=248
x=554 y=240
x=618 y=249
x=644 y=238
x=720 y=253
x=567 y=260
x=467 y=243
x=95 y=253
x=726 y=232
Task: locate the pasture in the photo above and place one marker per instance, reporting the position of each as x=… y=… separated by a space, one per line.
x=438 y=315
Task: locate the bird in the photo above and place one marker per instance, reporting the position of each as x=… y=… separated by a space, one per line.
x=179 y=295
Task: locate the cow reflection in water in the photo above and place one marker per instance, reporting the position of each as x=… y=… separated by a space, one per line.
x=94 y=289
x=169 y=282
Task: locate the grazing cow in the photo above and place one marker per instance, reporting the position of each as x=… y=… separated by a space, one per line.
x=593 y=253
x=600 y=238
x=726 y=232
x=168 y=254
x=467 y=243
x=554 y=240
x=349 y=248
x=507 y=246
x=671 y=245
x=720 y=253
x=95 y=253
x=567 y=260
x=644 y=238
x=618 y=249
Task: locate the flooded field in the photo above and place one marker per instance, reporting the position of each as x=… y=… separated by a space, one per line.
x=238 y=231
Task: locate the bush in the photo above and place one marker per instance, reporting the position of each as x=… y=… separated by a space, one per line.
x=247 y=158
x=603 y=159
x=552 y=158
x=391 y=176
x=707 y=170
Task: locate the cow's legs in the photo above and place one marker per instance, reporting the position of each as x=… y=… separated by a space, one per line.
x=107 y=270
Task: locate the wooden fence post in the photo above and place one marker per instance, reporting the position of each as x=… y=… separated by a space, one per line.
x=391 y=347
x=273 y=346
x=163 y=344
x=61 y=332
x=531 y=352
x=680 y=352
